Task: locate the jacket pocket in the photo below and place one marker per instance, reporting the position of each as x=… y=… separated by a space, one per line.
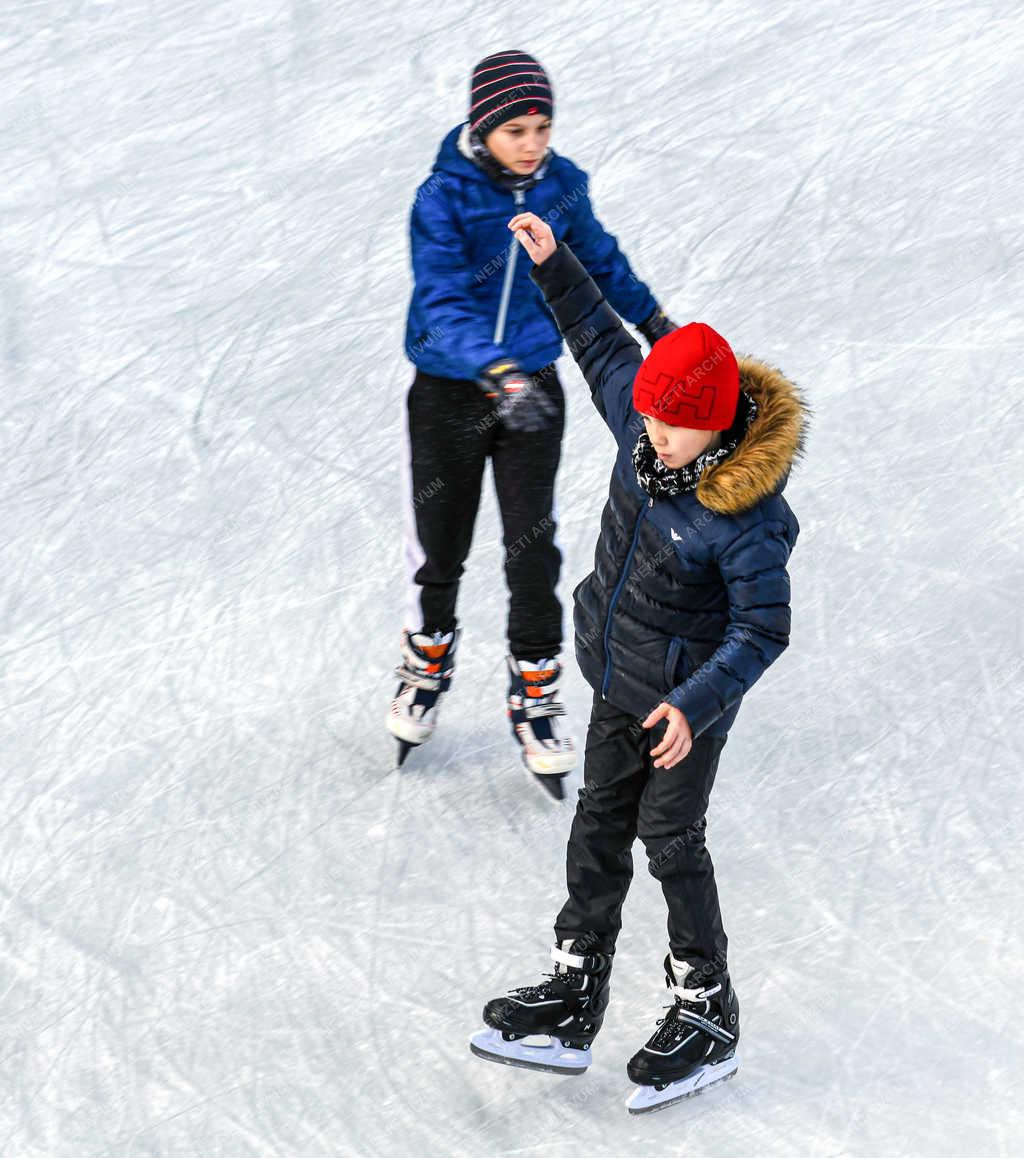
x=672 y=656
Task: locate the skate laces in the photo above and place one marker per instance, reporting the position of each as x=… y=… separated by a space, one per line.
x=689 y=1011
x=671 y=1025
x=556 y=985
x=569 y=979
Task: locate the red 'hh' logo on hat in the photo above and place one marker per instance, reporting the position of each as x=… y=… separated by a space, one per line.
x=532 y=109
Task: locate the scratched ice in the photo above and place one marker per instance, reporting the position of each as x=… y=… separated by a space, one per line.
x=229 y=927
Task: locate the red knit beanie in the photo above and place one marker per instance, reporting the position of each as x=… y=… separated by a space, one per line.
x=690 y=378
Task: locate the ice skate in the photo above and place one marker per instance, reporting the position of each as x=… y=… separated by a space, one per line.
x=549 y=1026
x=694 y=1046
x=532 y=705
x=425 y=673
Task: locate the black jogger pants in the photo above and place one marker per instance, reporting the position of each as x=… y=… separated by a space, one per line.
x=451 y=430
x=625 y=796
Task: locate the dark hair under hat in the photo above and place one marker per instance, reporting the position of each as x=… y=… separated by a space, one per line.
x=506 y=85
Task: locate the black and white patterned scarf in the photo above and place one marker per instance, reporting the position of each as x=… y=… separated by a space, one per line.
x=661 y=481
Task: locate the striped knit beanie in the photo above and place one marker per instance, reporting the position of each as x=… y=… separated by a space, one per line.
x=506 y=85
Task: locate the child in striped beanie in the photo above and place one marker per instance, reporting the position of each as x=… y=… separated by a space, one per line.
x=484 y=347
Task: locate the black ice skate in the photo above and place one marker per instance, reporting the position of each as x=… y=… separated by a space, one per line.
x=532 y=705
x=694 y=1046
x=549 y=1026
x=426 y=674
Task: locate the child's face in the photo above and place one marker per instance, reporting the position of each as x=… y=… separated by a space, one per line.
x=676 y=445
x=520 y=144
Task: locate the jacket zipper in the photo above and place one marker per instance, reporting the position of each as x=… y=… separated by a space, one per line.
x=615 y=596
x=506 y=286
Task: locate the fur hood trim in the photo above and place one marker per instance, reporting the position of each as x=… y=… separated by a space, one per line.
x=761 y=463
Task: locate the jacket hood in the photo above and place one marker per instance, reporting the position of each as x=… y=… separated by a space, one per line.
x=450 y=158
x=760 y=465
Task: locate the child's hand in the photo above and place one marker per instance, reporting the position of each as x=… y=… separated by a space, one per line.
x=678 y=739
x=535 y=235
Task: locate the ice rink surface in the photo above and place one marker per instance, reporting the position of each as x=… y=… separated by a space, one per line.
x=229 y=926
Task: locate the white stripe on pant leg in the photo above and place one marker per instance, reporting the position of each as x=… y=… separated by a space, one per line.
x=412 y=548
x=558 y=546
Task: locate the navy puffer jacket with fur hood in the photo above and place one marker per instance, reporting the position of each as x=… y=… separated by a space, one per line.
x=689 y=598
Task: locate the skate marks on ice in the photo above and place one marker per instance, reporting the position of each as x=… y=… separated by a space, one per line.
x=199 y=855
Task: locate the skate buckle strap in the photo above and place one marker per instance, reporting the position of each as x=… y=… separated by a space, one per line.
x=701 y=994
x=534 y=711
x=704 y=1025
x=420 y=679
x=573 y=960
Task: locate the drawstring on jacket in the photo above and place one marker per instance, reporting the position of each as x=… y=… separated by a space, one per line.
x=471 y=146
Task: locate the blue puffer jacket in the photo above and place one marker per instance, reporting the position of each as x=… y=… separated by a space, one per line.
x=688 y=601
x=461 y=258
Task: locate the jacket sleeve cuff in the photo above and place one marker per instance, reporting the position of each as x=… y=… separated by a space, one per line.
x=698 y=704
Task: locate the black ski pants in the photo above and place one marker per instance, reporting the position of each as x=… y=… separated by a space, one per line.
x=625 y=796
x=451 y=431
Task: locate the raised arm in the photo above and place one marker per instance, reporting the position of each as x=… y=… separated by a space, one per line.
x=606 y=353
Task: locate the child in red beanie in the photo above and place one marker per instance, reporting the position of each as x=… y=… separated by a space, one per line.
x=687 y=605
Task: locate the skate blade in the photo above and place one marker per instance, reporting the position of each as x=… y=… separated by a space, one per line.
x=646 y=1099
x=551 y=1057
x=404 y=748
x=552 y=785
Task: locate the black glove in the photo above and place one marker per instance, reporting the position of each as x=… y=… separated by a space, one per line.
x=520 y=403
x=656 y=325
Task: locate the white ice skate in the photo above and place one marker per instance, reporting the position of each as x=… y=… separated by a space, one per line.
x=532 y=705
x=425 y=673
